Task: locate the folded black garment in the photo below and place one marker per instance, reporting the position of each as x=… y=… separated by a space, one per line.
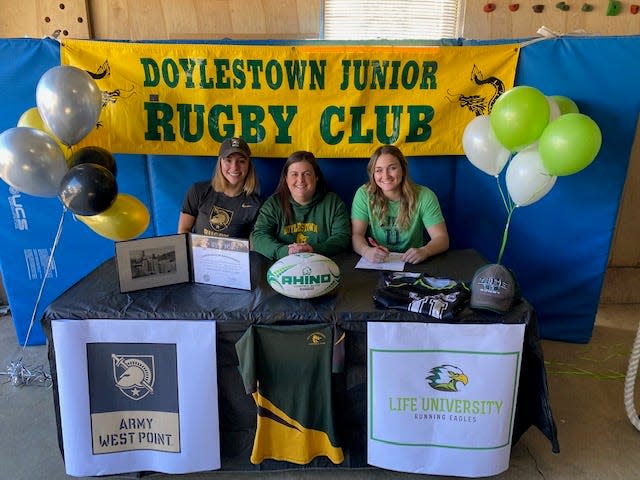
x=440 y=298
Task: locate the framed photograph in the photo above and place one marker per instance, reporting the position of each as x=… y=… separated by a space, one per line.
x=220 y=261
x=152 y=262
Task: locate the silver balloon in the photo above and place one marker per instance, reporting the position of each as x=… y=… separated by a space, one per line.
x=31 y=161
x=69 y=101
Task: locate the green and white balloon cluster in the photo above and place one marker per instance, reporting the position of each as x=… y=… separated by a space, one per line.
x=538 y=138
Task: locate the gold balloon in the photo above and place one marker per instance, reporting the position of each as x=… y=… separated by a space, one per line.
x=127 y=218
x=31 y=118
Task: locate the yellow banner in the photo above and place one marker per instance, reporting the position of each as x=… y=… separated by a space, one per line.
x=333 y=100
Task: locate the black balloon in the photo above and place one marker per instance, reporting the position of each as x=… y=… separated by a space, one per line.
x=88 y=189
x=95 y=155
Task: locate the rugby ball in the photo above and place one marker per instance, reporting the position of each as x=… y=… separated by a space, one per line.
x=303 y=275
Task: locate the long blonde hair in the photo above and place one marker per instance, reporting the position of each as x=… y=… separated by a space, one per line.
x=251 y=185
x=409 y=191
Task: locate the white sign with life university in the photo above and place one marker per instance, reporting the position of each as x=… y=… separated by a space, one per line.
x=441 y=397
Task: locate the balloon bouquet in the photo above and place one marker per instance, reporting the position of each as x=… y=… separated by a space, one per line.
x=539 y=137
x=37 y=158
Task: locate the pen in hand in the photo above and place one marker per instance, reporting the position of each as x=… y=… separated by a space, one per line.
x=377 y=245
x=383 y=250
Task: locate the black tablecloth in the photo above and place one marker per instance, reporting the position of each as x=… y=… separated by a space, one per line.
x=351 y=306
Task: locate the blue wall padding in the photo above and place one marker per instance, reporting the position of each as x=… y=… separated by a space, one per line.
x=437 y=173
x=558 y=247
x=183 y=171
x=78 y=251
x=169 y=178
x=269 y=170
x=28 y=224
x=343 y=176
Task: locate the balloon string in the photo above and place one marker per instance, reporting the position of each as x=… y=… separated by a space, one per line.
x=505 y=234
x=506 y=200
x=46 y=274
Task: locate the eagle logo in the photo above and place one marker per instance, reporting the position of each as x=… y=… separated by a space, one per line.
x=316 y=338
x=134 y=375
x=445 y=378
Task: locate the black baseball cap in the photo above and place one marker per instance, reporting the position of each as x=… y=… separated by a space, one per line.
x=234 y=145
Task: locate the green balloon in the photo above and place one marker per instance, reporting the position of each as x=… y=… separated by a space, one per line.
x=565 y=104
x=569 y=144
x=519 y=117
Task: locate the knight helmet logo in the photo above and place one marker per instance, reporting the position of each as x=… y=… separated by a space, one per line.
x=445 y=378
x=134 y=375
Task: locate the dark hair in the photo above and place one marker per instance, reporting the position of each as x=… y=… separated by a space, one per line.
x=282 y=190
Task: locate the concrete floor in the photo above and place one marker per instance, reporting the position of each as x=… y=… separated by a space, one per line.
x=586 y=384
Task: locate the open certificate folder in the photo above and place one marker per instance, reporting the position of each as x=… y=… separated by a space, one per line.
x=393 y=263
x=220 y=261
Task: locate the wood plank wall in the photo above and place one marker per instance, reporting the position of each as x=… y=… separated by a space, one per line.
x=39 y=18
x=191 y=19
x=301 y=19
x=285 y=19
x=161 y=19
x=502 y=22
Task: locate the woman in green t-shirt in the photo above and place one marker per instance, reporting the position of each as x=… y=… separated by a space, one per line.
x=391 y=213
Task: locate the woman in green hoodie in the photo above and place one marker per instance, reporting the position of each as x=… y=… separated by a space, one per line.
x=302 y=215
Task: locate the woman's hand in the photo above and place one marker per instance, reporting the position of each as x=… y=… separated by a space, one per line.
x=439 y=243
x=300 y=248
x=415 y=255
x=376 y=254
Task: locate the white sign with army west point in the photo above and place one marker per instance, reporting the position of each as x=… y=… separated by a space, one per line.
x=131 y=398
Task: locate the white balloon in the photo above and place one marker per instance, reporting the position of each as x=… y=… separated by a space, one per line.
x=554 y=109
x=482 y=148
x=69 y=101
x=527 y=180
x=31 y=161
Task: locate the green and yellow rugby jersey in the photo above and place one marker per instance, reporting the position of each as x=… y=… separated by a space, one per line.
x=288 y=371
